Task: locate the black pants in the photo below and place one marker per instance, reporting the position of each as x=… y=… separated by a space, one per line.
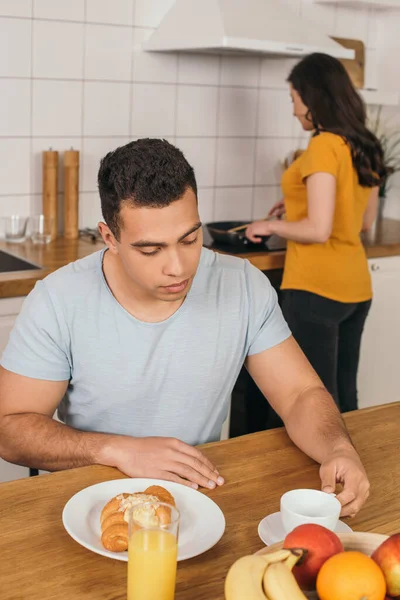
x=329 y=334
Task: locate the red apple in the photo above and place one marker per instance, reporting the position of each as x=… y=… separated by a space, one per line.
x=387 y=556
x=320 y=542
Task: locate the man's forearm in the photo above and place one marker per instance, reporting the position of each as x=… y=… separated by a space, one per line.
x=40 y=442
x=316 y=426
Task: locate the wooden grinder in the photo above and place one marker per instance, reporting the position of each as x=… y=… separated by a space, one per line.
x=71 y=194
x=50 y=188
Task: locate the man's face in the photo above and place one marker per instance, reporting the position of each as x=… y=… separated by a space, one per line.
x=159 y=248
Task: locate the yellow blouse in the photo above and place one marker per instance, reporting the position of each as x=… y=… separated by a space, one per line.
x=338 y=268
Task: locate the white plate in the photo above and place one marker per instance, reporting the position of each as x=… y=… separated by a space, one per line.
x=202 y=523
x=271 y=530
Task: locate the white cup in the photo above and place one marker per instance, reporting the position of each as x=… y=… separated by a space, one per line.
x=309 y=506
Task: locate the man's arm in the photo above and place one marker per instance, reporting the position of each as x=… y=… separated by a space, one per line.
x=311 y=418
x=29 y=436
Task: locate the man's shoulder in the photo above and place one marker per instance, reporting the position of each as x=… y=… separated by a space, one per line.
x=218 y=262
x=77 y=275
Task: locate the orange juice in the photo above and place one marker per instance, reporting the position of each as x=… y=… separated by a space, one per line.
x=152 y=561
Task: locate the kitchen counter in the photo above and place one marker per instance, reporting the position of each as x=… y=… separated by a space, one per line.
x=40 y=560
x=384 y=241
x=48 y=258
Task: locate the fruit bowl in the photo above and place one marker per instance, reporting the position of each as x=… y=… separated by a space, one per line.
x=363 y=542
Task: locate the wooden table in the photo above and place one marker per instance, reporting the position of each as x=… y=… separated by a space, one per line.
x=39 y=561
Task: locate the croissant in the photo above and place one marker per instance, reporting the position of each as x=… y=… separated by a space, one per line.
x=115 y=514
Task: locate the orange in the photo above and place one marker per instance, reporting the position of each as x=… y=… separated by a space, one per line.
x=350 y=575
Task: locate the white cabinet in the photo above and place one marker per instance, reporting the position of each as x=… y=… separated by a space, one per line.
x=9 y=309
x=382 y=4
x=379 y=368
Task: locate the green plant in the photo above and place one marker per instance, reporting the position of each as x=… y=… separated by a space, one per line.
x=389 y=138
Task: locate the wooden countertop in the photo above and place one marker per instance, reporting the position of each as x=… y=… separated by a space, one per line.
x=49 y=258
x=384 y=242
x=40 y=560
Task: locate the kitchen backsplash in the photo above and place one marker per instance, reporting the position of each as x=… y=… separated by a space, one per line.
x=72 y=74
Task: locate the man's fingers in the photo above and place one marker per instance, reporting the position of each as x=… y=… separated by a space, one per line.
x=197 y=454
x=327 y=474
x=176 y=479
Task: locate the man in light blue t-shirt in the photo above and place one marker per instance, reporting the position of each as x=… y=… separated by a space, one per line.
x=139 y=345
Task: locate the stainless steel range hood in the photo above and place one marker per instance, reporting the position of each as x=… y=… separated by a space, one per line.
x=240 y=27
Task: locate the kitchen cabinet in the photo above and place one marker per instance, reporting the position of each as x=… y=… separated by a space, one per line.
x=9 y=310
x=379 y=372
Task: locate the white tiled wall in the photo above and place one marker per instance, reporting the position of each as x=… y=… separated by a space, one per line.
x=72 y=74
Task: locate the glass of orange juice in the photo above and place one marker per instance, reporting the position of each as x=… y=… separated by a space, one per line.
x=152 y=552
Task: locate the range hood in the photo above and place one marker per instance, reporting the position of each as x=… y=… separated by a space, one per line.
x=240 y=27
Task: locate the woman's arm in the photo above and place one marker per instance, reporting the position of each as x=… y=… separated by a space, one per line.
x=317 y=226
x=372 y=209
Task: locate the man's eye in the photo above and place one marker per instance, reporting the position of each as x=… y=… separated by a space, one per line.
x=187 y=242
x=152 y=253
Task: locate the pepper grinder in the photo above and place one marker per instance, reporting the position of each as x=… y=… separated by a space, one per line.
x=71 y=194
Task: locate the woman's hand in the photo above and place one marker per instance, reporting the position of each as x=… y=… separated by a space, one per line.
x=278 y=209
x=256 y=230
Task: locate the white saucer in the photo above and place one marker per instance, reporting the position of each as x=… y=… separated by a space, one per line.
x=270 y=529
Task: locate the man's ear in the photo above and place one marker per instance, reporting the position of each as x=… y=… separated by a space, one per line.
x=108 y=237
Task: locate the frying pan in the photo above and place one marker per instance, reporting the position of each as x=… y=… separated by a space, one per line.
x=218 y=230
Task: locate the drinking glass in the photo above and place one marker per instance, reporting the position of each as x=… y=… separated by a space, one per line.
x=40 y=229
x=152 y=552
x=15 y=228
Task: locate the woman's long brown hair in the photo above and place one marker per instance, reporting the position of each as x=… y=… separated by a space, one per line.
x=335 y=106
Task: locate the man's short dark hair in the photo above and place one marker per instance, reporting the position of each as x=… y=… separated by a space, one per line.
x=148 y=172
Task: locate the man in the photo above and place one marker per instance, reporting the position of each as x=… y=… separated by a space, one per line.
x=139 y=345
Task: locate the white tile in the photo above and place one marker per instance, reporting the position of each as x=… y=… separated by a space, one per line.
x=15 y=47
x=240 y=70
x=275 y=71
x=293 y=5
x=371 y=69
x=352 y=23
x=117 y=12
x=275 y=114
x=13 y=205
x=73 y=10
x=13 y=8
x=264 y=199
x=57 y=108
x=153 y=109
x=201 y=154
x=108 y=52
x=155 y=67
x=94 y=149
x=15 y=106
x=319 y=15
x=235 y=161
x=233 y=204
x=198 y=69
x=53 y=53
x=149 y=13
x=270 y=154
x=106 y=109
x=374 y=35
x=206 y=204
x=237 y=111
x=197 y=111
x=40 y=145
x=89 y=210
x=14 y=166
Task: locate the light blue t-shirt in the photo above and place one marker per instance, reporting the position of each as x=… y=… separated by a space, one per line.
x=172 y=378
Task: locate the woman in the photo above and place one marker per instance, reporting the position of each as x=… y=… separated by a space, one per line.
x=330 y=196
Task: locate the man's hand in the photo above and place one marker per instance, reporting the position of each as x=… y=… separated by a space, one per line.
x=161 y=458
x=344 y=466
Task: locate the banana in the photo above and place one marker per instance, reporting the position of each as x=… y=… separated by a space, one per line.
x=245 y=579
x=296 y=555
x=276 y=556
x=280 y=584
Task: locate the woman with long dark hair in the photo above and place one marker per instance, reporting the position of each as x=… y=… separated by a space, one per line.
x=330 y=196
